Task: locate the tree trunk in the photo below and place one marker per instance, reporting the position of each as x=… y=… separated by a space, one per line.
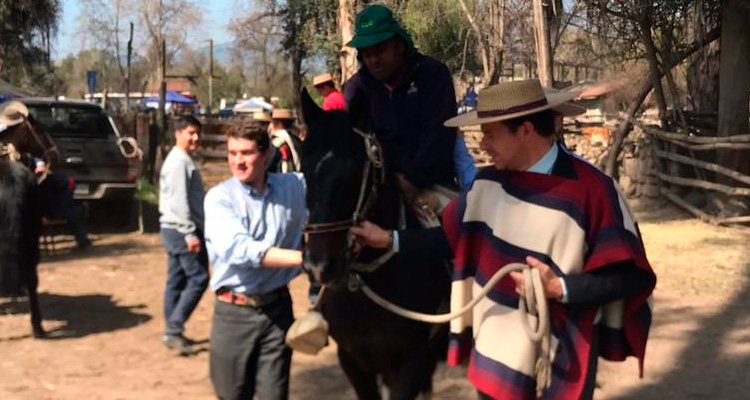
x=703 y=70
x=296 y=79
x=484 y=49
x=618 y=138
x=734 y=80
x=347 y=55
x=644 y=26
x=543 y=51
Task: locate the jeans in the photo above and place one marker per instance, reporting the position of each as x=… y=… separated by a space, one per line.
x=248 y=352
x=187 y=279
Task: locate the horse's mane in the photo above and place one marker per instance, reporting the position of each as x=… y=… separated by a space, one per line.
x=332 y=132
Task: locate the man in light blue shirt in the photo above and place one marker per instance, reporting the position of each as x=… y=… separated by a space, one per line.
x=254 y=226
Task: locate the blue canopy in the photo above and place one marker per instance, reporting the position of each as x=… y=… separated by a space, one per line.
x=172 y=97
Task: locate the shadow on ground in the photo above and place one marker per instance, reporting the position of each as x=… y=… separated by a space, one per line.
x=80 y=315
x=716 y=361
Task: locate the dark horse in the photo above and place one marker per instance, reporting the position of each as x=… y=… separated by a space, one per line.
x=21 y=218
x=372 y=343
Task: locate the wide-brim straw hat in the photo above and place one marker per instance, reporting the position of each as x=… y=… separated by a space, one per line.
x=508 y=100
x=321 y=79
x=282 y=113
x=12 y=113
x=261 y=117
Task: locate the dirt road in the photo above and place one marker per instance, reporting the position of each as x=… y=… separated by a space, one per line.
x=103 y=307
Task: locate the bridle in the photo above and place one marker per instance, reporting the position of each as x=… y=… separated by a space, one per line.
x=6 y=151
x=373 y=173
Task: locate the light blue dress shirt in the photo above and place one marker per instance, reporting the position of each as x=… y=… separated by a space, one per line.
x=547 y=162
x=242 y=224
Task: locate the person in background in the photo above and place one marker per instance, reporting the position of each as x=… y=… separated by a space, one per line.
x=332 y=98
x=181 y=208
x=286 y=143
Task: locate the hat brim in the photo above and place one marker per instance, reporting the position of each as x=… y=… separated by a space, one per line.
x=555 y=101
x=360 y=41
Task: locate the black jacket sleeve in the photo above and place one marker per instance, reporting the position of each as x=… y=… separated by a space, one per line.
x=606 y=284
x=424 y=241
x=434 y=156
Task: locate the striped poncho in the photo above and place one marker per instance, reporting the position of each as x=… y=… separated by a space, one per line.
x=575 y=220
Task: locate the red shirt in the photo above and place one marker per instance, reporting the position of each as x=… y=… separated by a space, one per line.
x=334 y=101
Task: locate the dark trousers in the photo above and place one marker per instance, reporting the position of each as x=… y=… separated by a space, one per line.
x=248 y=352
x=187 y=279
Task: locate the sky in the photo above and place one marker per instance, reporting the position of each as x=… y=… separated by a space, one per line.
x=219 y=14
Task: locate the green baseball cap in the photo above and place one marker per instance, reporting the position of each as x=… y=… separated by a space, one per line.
x=375 y=24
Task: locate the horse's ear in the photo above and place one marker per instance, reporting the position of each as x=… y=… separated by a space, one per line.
x=310 y=111
x=359 y=111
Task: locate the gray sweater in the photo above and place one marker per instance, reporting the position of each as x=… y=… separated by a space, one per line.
x=181 y=194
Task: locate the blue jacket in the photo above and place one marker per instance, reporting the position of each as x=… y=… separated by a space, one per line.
x=409 y=120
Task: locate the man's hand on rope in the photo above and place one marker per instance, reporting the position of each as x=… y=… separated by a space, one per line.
x=369 y=234
x=550 y=281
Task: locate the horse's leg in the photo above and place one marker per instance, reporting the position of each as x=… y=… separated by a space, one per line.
x=412 y=378
x=32 y=282
x=364 y=383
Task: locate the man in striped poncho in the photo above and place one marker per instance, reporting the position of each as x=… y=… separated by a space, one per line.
x=545 y=207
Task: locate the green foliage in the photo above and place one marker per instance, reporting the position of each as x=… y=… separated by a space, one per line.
x=147 y=191
x=25 y=30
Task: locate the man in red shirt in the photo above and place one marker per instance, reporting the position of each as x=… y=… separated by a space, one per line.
x=332 y=98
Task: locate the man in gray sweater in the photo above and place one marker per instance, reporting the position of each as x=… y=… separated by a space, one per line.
x=181 y=207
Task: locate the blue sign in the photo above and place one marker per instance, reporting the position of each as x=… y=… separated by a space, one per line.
x=91 y=79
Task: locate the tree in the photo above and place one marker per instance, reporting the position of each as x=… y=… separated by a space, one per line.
x=100 y=29
x=26 y=29
x=487 y=20
x=258 y=35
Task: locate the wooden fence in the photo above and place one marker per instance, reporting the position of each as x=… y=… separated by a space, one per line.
x=692 y=144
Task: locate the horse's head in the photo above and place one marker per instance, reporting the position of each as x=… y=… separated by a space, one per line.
x=333 y=160
x=29 y=137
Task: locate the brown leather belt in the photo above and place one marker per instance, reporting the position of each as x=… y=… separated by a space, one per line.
x=251 y=300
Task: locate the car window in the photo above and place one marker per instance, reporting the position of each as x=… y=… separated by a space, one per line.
x=72 y=121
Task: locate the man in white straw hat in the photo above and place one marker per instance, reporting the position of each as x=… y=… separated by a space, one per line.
x=285 y=142
x=332 y=98
x=540 y=205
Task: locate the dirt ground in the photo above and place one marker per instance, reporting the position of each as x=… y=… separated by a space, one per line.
x=103 y=309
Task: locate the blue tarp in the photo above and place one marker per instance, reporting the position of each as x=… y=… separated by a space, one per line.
x=172 y=97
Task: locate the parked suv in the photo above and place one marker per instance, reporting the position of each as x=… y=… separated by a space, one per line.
x=87 y=142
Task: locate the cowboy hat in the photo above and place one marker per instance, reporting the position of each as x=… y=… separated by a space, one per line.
x=508 y=100
x=282 y=113
x=261 y=116
x=321 y=79
x=12 y=113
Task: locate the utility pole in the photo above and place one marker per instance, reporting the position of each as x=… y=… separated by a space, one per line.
x=127 y=73
x=161 y=115
x=210 y=76
x=543 y=49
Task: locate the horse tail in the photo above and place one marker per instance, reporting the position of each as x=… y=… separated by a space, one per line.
x=20 y=224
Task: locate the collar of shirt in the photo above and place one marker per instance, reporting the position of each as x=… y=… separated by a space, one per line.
x=252 y=192
x=547 y=162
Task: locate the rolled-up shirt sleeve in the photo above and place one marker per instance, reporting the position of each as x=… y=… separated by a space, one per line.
x=227 y=239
